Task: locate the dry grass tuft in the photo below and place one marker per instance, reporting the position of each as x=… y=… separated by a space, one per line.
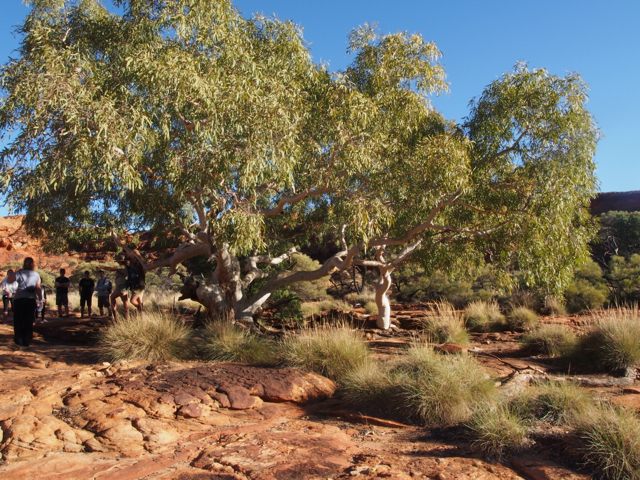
x=224 y=341
x=446 y=325
x=522 y=318
x=483 y=316
x=615 y=339
x=152 y=336
x=610 y=442
x=554 y=340
x=332 y=351
x=499 y=432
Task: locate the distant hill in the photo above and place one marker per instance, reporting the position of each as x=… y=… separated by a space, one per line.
x=621 y=201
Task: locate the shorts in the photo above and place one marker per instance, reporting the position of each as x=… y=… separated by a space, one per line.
x=103 y=302
x=137 y=292
x=6 y=301
x=85 y=299
x=62 y=299
x=121 y=289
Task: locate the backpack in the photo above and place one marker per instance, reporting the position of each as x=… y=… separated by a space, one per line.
x=109 y=285
x=133 y=279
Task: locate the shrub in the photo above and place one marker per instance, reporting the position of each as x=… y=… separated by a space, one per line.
x=152 y=336
x=499 y=432
x=224 y=341
x=614 y=341
x=522 y=317
x=309 y=291
x=310 y=309
x=374 y=388
x=582 y=295
x=524 y=298
x=366 y=295
x=445 y=325
x=552 y=340
x=483 y=316
x=610 y=442
x=329 y=351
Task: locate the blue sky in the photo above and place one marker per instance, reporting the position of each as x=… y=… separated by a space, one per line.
x=480 y=40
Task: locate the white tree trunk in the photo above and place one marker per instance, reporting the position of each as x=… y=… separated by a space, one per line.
x=382 y=301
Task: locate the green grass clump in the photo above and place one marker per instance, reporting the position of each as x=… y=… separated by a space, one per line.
x=614 y=341
x=483 y=316
x=371 y=308
x=330 y=351
x=610 y=442
x=224 y=341
x=421 y=386
x=522 y=317
x=554 y=340
x=561 y=402
x=446 y=325
x=499 y=431
x=554 y=306
x=152 y=336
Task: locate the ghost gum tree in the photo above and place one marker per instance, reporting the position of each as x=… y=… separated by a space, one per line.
x=184 y=117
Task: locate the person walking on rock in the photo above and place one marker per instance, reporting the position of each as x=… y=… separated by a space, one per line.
x=103 y=287
x=29 y=292
x=121 y=290
x=62 y=293
x=86 y=286
x=8 y=287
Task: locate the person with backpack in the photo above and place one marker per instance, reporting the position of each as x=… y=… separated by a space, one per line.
x=103 y=287
x=9 y=286
x=28 y=293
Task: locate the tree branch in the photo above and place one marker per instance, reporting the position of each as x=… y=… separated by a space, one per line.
x=255 y=272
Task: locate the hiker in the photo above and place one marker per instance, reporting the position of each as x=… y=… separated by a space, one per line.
x=8 y=286
x=62 y=293
x=29 y=292
x=103 y=287
x=135 y=282
x=120 y=290
x=86 y=285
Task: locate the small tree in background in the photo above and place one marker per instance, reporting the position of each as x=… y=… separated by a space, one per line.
x=197 y=123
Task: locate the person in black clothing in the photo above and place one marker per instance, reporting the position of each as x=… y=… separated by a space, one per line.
x=86 y=286
x=62 y=293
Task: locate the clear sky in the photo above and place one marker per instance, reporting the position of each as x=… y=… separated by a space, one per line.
x=480 y=40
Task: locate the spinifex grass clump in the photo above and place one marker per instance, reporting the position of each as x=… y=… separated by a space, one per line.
x=483 y=316
x=522 y=317
x=554 y=340
x=423 y=386
x=330 y=351
x=614 y=342
x=224 y=341
x=153 y=336
x=445 y=325
x=499 y=431
x=610 y=442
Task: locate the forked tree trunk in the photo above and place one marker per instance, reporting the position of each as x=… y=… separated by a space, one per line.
x=382 y=301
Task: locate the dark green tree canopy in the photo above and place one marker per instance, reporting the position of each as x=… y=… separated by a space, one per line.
x=184 y=116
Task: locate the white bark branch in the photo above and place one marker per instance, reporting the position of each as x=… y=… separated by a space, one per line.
x=196 y=200
x=255 y=272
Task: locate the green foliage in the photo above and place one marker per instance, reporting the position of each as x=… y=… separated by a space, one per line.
x=522 y=317
x=330 y=351
x=309 y=291
x=610 y=442
x=624 y=279
x=561 y=402
x=224 y=341
x=483 y=316
x=371 y=308
x=554 y=340
x=153 y=336
x=499 y=432
x=619 y=235
x=553 y=306
x=173 y=112
x=445 y=325
x=587 y=291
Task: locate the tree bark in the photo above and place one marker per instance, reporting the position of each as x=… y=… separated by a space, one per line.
x=382 y=301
